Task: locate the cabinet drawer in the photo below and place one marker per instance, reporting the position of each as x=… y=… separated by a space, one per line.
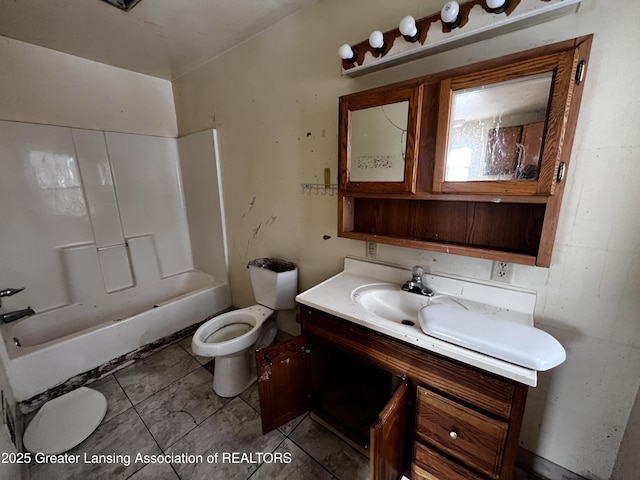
x=430 y=465
x=465 y=434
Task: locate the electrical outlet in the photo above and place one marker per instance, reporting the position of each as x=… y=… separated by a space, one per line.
x=502 y=272
x=372 y=250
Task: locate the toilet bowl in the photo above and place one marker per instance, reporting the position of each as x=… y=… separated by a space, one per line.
x=233 y=337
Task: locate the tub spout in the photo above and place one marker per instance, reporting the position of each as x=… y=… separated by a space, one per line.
x=17 y=315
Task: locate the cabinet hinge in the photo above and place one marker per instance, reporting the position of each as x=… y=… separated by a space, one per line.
x=580 y=72
x=561 y=172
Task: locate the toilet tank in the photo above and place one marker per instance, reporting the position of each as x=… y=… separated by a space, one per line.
x=274 y=282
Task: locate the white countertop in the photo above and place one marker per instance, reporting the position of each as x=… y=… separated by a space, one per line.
x=333 y=296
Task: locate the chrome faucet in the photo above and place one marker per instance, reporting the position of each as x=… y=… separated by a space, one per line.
x=7 y=292
x=17 y=315
x=415 y=285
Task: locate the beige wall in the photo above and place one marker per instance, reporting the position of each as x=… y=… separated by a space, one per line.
x=39 y=85
x=274 y=102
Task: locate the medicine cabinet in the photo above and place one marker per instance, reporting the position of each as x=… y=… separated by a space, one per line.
x=477 y=168
x=379 y=140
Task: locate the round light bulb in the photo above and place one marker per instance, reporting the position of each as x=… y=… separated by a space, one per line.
x=450 y=12
x=498 y=6
x=376 y=40
x=408 y=26
x=347 y=53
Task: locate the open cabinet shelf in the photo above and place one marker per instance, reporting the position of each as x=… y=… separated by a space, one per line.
x=506 y=231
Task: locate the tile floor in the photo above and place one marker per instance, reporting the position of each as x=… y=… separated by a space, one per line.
x=164 y=405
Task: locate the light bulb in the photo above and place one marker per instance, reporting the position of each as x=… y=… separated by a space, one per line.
x=347 y=53
x=408 y=28
x=450 y=14
x=376 y=40
x=498 y=6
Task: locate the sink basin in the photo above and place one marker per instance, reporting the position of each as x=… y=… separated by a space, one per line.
x=390 y=302
x=486 y=329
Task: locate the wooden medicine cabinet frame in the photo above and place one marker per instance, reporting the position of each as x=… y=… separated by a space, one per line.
x=376 y=98
x=561 y=66
x=513 y=221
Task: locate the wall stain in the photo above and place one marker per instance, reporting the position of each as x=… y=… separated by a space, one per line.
x=256 y=231
x=252 y=238
x=251 y=204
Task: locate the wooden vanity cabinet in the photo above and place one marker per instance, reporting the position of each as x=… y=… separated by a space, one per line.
x=504 y=204
x=442 y=419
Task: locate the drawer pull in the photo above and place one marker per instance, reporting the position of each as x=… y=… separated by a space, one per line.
x=453 y=434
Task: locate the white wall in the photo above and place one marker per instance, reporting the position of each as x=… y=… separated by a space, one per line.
x=200 y=180
x=274 y=102
x=39 y=85
x=64 y=191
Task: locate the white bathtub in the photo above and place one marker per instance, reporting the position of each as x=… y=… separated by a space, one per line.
x=49 y=348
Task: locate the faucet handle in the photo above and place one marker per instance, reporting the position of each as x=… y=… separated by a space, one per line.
x=7 y=292
x=417 y=271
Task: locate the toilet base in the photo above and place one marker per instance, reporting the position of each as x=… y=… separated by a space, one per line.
x=233 y=375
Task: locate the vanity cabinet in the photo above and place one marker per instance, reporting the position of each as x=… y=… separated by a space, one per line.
x=488 y=147
x=413 y=410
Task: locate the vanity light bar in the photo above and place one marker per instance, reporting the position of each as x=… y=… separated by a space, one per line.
x=456 y=25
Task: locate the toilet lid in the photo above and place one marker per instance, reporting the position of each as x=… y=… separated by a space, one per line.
x=66 y=421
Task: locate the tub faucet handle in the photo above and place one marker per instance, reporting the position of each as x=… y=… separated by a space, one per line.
x=7 y=292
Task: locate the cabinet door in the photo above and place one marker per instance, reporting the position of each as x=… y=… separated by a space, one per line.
x=388 y=435
x=379 y=138
x=501 y=102
x=531 y=146
x=283 y=381
x=502 y=150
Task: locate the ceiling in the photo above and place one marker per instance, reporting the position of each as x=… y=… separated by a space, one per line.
x=162 y=38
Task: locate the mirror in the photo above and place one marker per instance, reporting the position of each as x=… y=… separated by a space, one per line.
x=496 y=130
x=379 y=143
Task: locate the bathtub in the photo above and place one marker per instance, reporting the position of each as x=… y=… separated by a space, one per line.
x=48 y=349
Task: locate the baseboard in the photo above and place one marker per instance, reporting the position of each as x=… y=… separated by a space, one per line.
x=543 y=467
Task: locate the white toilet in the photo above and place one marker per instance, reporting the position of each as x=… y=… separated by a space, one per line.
x=233 y=337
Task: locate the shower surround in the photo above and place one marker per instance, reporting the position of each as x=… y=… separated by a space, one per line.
x=94 y=225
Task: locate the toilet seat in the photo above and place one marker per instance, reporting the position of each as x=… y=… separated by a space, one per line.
x=230 y=333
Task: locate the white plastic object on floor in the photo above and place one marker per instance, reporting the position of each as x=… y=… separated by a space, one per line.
x=523 y=345
x=65 y=421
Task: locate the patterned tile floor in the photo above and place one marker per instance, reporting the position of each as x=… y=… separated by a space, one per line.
x=164 y=405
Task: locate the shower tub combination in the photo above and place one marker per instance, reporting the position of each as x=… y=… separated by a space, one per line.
x=50 y=348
